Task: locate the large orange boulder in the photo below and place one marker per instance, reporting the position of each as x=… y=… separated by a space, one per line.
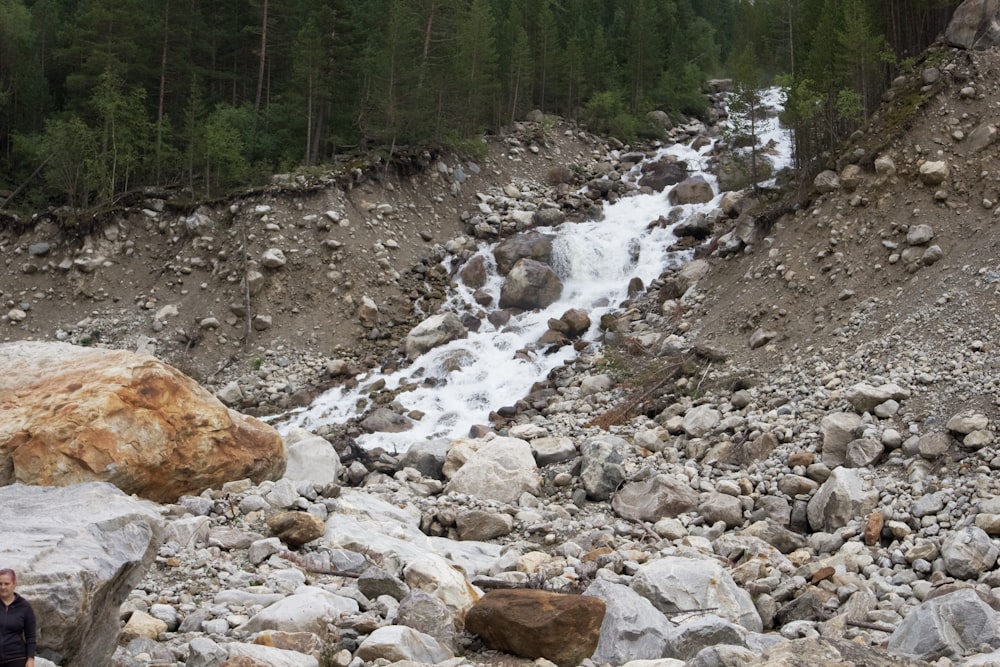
x=538 y=624
x=71 y=414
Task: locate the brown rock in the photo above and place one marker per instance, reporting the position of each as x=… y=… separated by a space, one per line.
x=301 y=642
x=296 y=528
x=804 y=459
x=244 y=661
x=74 y=414
x=873 y=528
x=537 y=624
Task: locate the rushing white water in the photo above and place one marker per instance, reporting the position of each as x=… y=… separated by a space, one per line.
x=470 y=377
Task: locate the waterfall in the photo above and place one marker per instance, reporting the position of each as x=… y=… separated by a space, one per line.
x=457 y=385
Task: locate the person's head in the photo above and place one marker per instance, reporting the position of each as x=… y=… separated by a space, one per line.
x=7 y=581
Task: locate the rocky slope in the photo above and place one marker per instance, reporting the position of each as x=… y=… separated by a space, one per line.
x=814 y=483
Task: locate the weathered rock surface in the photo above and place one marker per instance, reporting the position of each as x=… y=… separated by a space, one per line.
x=564 y=629
x=975 y=25
x=78 y=552
x=75 y=414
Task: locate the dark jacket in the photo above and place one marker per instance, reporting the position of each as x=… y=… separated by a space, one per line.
x=17 y=630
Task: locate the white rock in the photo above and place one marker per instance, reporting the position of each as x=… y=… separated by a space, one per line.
x=310 y=609
x=502 y=469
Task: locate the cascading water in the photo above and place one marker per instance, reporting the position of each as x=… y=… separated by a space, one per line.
x=457 y=385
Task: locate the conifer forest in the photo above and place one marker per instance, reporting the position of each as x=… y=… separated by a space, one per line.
x=99 y=98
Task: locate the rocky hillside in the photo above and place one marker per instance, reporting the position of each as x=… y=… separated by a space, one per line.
x=784 y=454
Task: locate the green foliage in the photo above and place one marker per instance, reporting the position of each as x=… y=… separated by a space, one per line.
x=605 y=113
x=70 y=155
x=147 y=92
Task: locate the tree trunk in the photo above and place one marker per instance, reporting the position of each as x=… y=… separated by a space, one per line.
x=263 y=57
x=163 y=86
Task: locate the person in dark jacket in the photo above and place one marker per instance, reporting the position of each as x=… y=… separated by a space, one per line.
x=17 y=625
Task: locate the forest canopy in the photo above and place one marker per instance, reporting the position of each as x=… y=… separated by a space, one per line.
x=102 y=97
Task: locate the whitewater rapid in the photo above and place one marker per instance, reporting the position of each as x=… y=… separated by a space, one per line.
x=458 y=384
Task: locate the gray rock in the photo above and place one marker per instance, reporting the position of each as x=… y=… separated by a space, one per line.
x=863 y=452
x=721 y=507
x=556 y=449
x=601 y=467
x=953 y=625
x=427 y=457
x=975 y=25
x=933 y=445
x=826 y=182
x=530 y=245
x=701 y=420
x=934 y=172
x=273 y=258
x=920 y=235
x=203 y=652
x=845 y=495
x=690 y=637
x=693 y=190
x=655 y=498
x=375 y=581
x=398 y=642
x=837 y=430
x=968 y=421
x=761 y=337
x=310 y=458
x=677 y=583
x=482 y=525
x=863 y=397
x=78 y=552
x=434 y=331
x=530 y=285
x=502 y=469
x=633 y=629
x=968 y=552
x=425 y=613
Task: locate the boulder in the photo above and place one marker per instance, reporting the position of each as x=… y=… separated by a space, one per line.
x=530 y=245
x=529 y=285
x=434 y=331
x=655 y=498
x=602 y=467
x=968 y=552
x=78 y=552
x=310 y=458
x=442 y=579
x=676 y=583
x=838 y=430
x=658 y=174
x=826 y=182
x=474 y=272
x=863 y=397
x=845 y=495
x=309 y=609
x=934 y=172
x=255 y=655
x=975 y=25
x=483 y=525
x=701 y=420
x=564 y=629
x=502 y=469
x=397 y=643
x=953 y=625
x=75 y=414
x=633 y=629
x=425 y=613
x=296 y=528
x=694 y=190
